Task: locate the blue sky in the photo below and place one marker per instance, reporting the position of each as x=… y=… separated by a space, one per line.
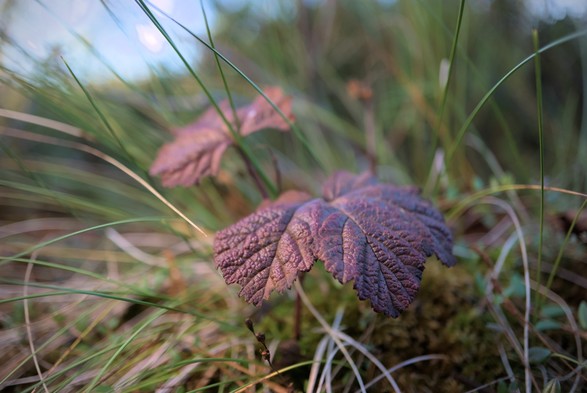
x=129 y=42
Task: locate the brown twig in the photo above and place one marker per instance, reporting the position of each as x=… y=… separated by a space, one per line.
x=265 y=353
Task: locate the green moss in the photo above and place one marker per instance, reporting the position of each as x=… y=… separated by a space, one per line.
x=445 y=319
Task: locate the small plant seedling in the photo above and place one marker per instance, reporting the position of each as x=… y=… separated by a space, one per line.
x=377 y=235
x=374 y=234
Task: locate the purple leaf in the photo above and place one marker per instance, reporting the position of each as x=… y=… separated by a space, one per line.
x=198 y=148
x=376 y=235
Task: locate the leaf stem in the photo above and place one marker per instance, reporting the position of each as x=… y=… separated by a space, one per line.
x=371 y=138
x=253 y=173
x=298 y=312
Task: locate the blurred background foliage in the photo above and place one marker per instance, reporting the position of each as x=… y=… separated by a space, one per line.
x=126 y=88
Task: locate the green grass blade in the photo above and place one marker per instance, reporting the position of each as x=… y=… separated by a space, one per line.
x=219 y=66
x=559 y=256
x=489 y=94
x=87 y=273
x=469 y=200
x=539 y=109
x=81 y=231
x=122 y=347
x=100 y=114
x=451 y=62
x=59 y=291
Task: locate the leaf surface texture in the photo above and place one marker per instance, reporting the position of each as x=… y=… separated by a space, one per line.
x=376 y=235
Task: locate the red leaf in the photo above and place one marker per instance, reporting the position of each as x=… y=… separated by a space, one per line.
x=198 y=148
x=376 y=234
x=260 y=114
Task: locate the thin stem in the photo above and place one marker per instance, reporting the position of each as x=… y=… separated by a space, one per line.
x=278 y=181
x=265 y=353
x=538 y=73
x=298 y=318
x=370 y=136
x=560 y=252
x=453 y=51
x=253 y=173
x=298 y=313
x=443 y=132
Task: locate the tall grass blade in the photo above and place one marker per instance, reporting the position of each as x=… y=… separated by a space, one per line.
x=489 y=94
x=538 y=75
x=451 y=62
x=100 y=114
x=217 y=60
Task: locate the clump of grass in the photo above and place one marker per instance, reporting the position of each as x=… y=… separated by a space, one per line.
x=106 y=285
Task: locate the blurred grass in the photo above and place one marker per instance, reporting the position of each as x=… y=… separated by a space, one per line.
x=104 y=288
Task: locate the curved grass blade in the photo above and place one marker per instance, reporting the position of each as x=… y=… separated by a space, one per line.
x=489 y=94
x=563 y=245
x=60 y=291
x=122 y=347
x=539 y=108
x=136 y=290
x=465 y=202
x=99 y=112
x=85 y=230
x=105 y=157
